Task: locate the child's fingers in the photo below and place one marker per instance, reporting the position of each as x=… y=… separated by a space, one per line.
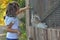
x=19 y=33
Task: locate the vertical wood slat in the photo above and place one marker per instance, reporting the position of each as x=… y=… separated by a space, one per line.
x=33 y=33
x=53 y=35
x=45 y=34
x=57 y=34
x=40 y=35
x=49 y=34
x=37 y=33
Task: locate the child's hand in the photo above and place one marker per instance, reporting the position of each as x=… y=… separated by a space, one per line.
x=19 y=33
x=27 y=7
x=22 y=9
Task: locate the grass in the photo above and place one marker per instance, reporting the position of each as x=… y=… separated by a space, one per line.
x=3 y=37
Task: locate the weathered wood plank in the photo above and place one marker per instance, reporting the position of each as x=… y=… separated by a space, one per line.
x=53 y=35
x=58 y=34
x=37 y=33
x=49 y=34
x=45 y=34
x=41 y=34
x=33 y=33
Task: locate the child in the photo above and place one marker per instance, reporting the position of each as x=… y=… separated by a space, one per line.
x=11 y=20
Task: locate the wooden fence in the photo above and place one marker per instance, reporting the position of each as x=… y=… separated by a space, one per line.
x=45 y=34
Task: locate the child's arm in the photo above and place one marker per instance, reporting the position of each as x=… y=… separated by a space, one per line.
x=11 y=30
x=23 y=9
